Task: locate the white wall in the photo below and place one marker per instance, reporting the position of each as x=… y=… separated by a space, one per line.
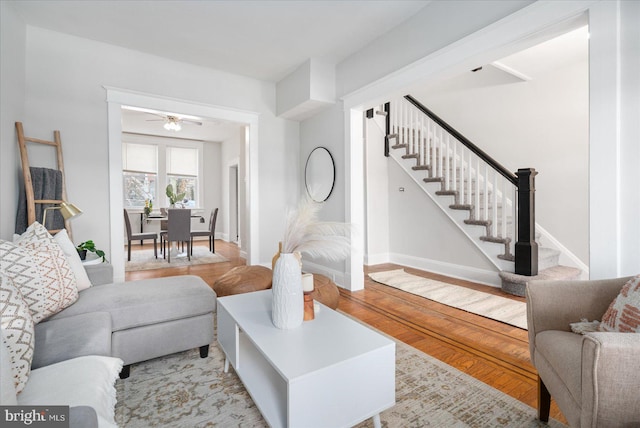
x=212 y=182
x=315 y=133
x=65 y=77
x=13 y=36
x=543 y=124
x=420 y=230
x=630 y=135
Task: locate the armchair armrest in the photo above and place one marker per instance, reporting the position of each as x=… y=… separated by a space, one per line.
x=100 y=274
x=610 y=379
x=553 y=305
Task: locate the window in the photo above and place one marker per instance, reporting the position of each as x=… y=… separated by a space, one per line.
x=149 y=164
x=140 y=173
x=182 y=173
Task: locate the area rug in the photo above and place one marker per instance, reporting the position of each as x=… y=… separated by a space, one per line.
x=144 y=259
x=184 y=390
x=487 y=305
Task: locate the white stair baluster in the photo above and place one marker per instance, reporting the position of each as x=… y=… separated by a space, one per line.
x=469 y=179
x=453 y=164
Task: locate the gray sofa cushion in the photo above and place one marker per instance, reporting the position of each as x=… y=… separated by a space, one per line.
x=83 y=417
x=100 y=274
x=145 y=302
x=71 y=337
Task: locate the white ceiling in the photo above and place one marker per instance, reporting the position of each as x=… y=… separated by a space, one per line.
x=261 y=39
x=265 y=39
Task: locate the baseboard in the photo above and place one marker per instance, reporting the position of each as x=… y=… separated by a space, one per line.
x=335 y=275
x=467 y=273
x=376 y=259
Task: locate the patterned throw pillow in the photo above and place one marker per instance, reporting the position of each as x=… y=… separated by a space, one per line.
x=623 y=314
x=17 y=330
x=39 y=268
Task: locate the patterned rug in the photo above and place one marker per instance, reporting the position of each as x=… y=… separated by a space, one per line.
x=183 y=390
x=487 y=305
x=144 y=259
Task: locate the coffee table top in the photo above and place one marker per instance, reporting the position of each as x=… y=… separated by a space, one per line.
x=329 y=339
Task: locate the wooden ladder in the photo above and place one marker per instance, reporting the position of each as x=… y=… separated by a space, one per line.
x=26 y=172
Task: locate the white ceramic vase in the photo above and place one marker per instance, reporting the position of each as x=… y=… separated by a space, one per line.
x=288 y=299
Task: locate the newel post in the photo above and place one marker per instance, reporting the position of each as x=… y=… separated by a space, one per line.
x=526 y=248
x=387 y=128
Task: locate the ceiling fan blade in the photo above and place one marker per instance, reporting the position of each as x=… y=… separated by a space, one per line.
x=193 y=122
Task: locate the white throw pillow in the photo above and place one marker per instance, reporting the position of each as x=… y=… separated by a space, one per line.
x=82 y=381
x=82 y=279
x=39 y=268
x=17 y=331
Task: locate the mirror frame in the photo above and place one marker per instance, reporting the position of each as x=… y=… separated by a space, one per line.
x=333 y=172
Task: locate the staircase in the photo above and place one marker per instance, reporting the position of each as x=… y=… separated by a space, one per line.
x=477 y=193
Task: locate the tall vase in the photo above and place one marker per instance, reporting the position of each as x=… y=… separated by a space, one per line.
x=287 y=308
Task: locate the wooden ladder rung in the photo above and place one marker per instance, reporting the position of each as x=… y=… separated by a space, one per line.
x=47 y=201
x=39 y=141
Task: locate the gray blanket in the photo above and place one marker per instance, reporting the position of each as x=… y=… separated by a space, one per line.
x=47 y=184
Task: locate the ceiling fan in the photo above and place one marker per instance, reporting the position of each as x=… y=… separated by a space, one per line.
x=173 y=122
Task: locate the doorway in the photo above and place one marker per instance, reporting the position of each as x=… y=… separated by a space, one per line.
x=116 y=98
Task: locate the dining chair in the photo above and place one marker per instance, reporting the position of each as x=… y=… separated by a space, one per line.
x=138 y=237
x=178 y=230
x=210 y=233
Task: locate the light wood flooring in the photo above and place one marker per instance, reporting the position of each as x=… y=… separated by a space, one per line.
x=492 y=352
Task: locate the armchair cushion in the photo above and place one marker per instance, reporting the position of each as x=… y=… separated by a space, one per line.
x=623 y=314
x=563 y=351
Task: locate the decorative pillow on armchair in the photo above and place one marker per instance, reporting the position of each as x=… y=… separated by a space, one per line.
x=623 y=314
x=38 y=267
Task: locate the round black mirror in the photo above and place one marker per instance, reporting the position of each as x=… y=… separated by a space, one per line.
x=319 y=174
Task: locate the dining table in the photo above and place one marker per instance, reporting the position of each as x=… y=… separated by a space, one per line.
x=160 y=217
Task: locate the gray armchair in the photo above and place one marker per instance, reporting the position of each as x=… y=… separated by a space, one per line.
x=594 y=378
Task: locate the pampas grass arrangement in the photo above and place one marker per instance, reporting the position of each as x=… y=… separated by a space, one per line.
x=306 y=235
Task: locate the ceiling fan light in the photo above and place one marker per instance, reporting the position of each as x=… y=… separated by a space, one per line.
x=172 y=125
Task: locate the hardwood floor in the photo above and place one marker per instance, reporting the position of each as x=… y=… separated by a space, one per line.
x=492 y=352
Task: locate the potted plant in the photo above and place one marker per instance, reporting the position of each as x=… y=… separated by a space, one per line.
x=173 y=197
x=148 y=207
x=85 y=246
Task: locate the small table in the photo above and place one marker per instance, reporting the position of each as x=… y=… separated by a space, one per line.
x=329 y=372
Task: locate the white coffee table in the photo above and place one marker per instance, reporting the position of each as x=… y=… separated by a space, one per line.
x=329 y=372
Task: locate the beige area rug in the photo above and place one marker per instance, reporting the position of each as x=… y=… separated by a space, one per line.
x=184 y=390
x=144 y=259
x=487 y=305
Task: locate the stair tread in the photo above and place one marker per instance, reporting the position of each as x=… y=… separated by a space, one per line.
x=558 y=272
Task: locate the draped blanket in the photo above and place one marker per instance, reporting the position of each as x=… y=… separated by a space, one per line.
x=47 y=184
